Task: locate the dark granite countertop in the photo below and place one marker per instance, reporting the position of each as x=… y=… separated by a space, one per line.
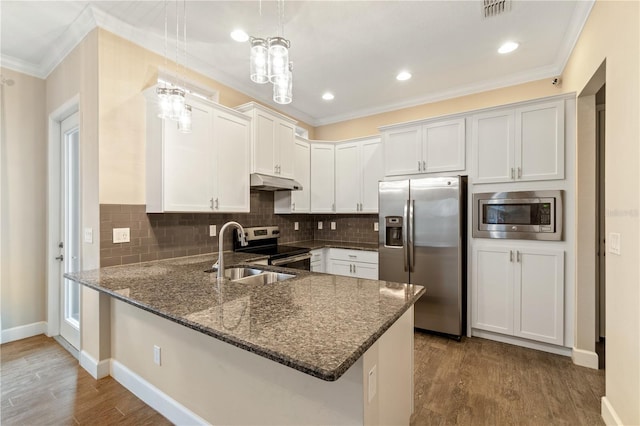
x=320 y=244
x=319 y=324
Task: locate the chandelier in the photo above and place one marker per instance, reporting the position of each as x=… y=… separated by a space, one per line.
x=171 y=97
x=269 y=62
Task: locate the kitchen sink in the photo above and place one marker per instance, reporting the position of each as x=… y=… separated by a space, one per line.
x=253 y=275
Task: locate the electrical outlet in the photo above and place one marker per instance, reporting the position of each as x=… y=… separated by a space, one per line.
x=296 y=226
x=156 y=354
x=319 y=225
x=614 y=243
x=88 y=235
x=121 y=235
x=375 y=226
x=213 y=230
x=333 y=226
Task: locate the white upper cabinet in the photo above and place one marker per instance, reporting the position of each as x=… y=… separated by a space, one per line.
x=359 y=167
x=183 y=170
x=272 y=140
x=519 y=144
x=297 y=201
x=428 y=147
x=322 y=178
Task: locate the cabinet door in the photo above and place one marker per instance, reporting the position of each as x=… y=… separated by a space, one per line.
x=365 y=270
x=285 y=137
x=340 y=267
x=403 y=151
x=372 y=166
x=492 y=143
x=264 y=149
x=232 y=136
x=539 y=141
x=539 y=295
x=348 y=177
x=322 y=178
x=301 y=200
x=492 y=289
x=189 y=171
x=444 y=146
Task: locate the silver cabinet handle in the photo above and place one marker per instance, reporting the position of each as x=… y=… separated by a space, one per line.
x=519 y=173
x=211 y=201
x=419 y=165
x=512 y=174
x=517 y=255
x=293 y=207
x=60 y=258
x=350 y=268
x=424 y=166
x=354 y=269
x=333 y=207
x=216 y=204
x=353 y=256
x=510 y=255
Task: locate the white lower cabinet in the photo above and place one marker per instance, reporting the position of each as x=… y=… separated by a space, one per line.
x=353 y=263
x=519 y=291
x=317 y=260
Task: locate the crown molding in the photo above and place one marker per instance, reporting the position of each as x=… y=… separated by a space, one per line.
x=575 y=27
x=21 y=66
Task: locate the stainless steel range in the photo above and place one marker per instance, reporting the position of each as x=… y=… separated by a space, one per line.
x=264 y=240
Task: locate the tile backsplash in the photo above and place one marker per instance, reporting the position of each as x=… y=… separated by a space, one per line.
x=164 y=235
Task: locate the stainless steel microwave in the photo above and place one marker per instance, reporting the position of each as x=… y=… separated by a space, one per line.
x=524 y=215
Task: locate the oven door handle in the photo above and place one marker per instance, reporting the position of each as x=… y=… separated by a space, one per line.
x=291 y=259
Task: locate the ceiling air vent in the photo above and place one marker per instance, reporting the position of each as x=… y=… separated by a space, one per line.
x=496 y=7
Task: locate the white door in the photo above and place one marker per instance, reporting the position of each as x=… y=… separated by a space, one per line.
x=348 y=178
x=70 y=244
x=301 y=200
x=372 y=165
x=492 y=141
x=444 y=146
x=403 y=151
x=286 y=137
x=322 y=178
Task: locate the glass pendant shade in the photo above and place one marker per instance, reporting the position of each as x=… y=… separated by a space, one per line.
x=283 y=87
x=184 y=123
x=177 y=103
x=259 y=61
x=164 y=102
x=278 y=57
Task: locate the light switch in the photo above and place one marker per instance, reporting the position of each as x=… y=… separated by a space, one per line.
x=212 y=230
x=156 y=355
x=375 y=226
x=296 y=226
x=614 y=243
x=333 y=226
x=121 y=235
x=319 y=225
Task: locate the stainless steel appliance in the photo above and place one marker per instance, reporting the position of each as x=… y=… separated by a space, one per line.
x=526 y=215
x=423 y=241
x=264 y=240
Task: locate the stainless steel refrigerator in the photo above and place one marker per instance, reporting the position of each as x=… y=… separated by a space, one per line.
x=422 y=235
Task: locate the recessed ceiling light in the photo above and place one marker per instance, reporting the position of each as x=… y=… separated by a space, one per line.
x=404 y=75
x=509 y=46
x=239 y=35
x=328 y=96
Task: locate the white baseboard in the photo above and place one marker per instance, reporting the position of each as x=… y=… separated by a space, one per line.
x=584 y=358
x=98 y=370
x=512 y=340
x=23 y=331
x=609 y=415
x=154 y=397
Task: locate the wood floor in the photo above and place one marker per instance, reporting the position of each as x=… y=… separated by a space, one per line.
x=473 y=382
x=481 y=382
x=42 y=384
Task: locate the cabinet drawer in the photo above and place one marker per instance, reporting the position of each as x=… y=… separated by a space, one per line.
x=354 y=255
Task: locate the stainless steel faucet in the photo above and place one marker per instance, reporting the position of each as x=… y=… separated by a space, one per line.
x=242 y=239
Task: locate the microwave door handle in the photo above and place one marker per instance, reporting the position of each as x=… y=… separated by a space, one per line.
x=405 y=243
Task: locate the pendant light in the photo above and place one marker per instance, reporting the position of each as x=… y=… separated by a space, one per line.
x=259 y=60
x=283 y=87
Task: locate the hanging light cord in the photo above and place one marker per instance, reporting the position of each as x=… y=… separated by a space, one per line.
x=177 y=44
x=184 y=28
x=166 y=36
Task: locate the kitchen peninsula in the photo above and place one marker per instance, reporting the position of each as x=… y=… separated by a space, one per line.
x=314 y=349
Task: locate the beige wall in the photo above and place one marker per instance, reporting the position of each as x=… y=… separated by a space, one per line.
x=125 y=70
x=77 y=76
x=23 y=139
x=612 y=34
x=369 y=125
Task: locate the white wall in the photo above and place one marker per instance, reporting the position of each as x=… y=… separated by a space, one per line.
x=23 y=168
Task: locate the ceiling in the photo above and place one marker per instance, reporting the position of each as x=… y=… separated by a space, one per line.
x=352 y=48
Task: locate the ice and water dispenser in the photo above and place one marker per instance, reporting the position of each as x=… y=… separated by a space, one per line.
x=393 y=234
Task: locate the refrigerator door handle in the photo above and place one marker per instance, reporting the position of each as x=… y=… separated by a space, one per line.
x=410 y=233
x=405 y=243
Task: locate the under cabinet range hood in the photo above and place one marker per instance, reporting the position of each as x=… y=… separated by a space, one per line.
x=273 y=183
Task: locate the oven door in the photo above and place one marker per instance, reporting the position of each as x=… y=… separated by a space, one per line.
x=300 y=261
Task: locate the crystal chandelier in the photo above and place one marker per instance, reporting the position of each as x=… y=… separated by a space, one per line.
x=269 y=62
x=171 y=97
